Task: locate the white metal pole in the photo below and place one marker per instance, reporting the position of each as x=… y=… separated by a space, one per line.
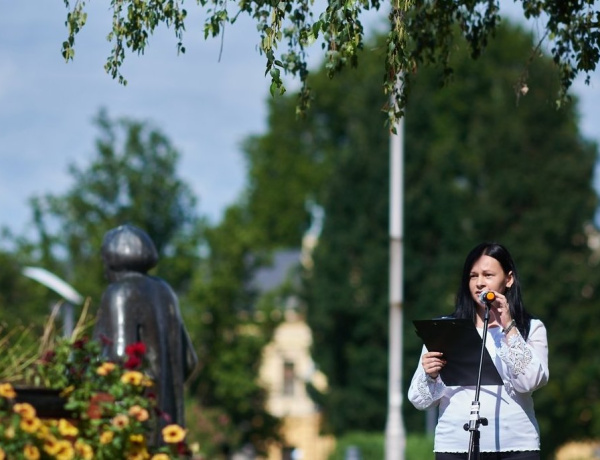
x=395 y=436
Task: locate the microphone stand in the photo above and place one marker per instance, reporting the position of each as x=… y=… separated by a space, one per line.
x=474 y=420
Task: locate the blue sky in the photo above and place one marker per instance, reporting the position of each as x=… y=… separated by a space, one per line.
x=205 y=106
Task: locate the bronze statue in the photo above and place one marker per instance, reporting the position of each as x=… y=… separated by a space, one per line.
x=137 y=307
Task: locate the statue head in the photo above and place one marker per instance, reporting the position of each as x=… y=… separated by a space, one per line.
x=128 y=248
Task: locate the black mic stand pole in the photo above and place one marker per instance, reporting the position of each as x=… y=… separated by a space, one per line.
x=474 y=419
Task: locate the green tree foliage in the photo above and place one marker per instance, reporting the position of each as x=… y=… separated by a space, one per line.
x=284 y=173
x=233 y=320
x=480 y=164
x=347 y=303
x=231 y=327
x=420 y=32
x=133 y=179
x=492 y=168
x=23 y=302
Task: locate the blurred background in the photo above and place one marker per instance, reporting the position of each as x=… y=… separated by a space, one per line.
x=273 y=230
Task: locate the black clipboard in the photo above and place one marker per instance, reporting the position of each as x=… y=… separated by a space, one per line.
x=461 y=344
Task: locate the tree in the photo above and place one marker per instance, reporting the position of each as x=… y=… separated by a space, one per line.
x=480 y=165
x=519 y=174
x=284 y=174
x=23 y=302
x=133 y=179
x=420 y=32
x=231 y=326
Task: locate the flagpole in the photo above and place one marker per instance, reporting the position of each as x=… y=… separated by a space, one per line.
x=395 y=442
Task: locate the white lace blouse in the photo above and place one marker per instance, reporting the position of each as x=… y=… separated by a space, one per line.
x=508 y=408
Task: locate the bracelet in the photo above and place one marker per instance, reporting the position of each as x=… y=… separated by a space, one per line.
x=506 y=330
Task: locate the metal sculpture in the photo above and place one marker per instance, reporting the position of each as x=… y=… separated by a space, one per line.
x=137 y=307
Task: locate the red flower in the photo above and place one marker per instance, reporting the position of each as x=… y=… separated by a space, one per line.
x=135 y=352
x=96 y=404
x=48 y=357
x=136 y=349
x=183 y=449
x=79 y=344
x=133 y=362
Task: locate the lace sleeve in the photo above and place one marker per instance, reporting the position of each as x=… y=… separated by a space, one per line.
x=516 y=354
x=424 y=391
x=527 y=361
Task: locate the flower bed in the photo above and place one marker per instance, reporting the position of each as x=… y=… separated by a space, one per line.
x=88 y=408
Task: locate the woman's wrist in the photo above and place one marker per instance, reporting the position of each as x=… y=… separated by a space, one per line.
x=430 y=376
x=509 y=328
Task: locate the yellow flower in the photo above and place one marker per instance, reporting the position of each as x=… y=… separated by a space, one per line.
x=67 y=391
x=137 y=438
x=133 y=378
x=25 y=410
x=106 y=437
x=9 y=433
x=66 y=428
x=84 y=450
x=2 y=454
x=105 y=368
x=194 y=447
x=65 y=450
x=31 y=452
x=7 y=391
x=120 y=421
x=30 y=425
x=172 y=434
x=139 y=413
x=43 y=430
x=51 y=445
x=160 y=457
x=138 y=454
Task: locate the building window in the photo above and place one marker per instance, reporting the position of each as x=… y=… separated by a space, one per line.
x=291 y=453
x=287 y=453
x=288 y=378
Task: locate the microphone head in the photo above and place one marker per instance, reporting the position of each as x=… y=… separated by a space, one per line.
x=487 y=297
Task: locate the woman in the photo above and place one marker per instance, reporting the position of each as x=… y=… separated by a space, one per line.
x=518 y=346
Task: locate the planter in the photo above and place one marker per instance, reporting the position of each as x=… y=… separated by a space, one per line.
x=48 y=403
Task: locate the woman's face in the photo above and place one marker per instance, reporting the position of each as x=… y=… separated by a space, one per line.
x=487 y=275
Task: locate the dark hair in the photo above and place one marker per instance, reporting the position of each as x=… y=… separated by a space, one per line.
x=466 y=307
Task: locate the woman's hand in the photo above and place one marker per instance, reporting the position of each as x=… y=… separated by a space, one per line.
x=433 y=362
x=500 y=311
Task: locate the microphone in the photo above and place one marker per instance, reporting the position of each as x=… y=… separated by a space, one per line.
x=487 y=297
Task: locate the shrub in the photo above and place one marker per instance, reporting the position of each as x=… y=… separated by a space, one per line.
x=372 y=446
